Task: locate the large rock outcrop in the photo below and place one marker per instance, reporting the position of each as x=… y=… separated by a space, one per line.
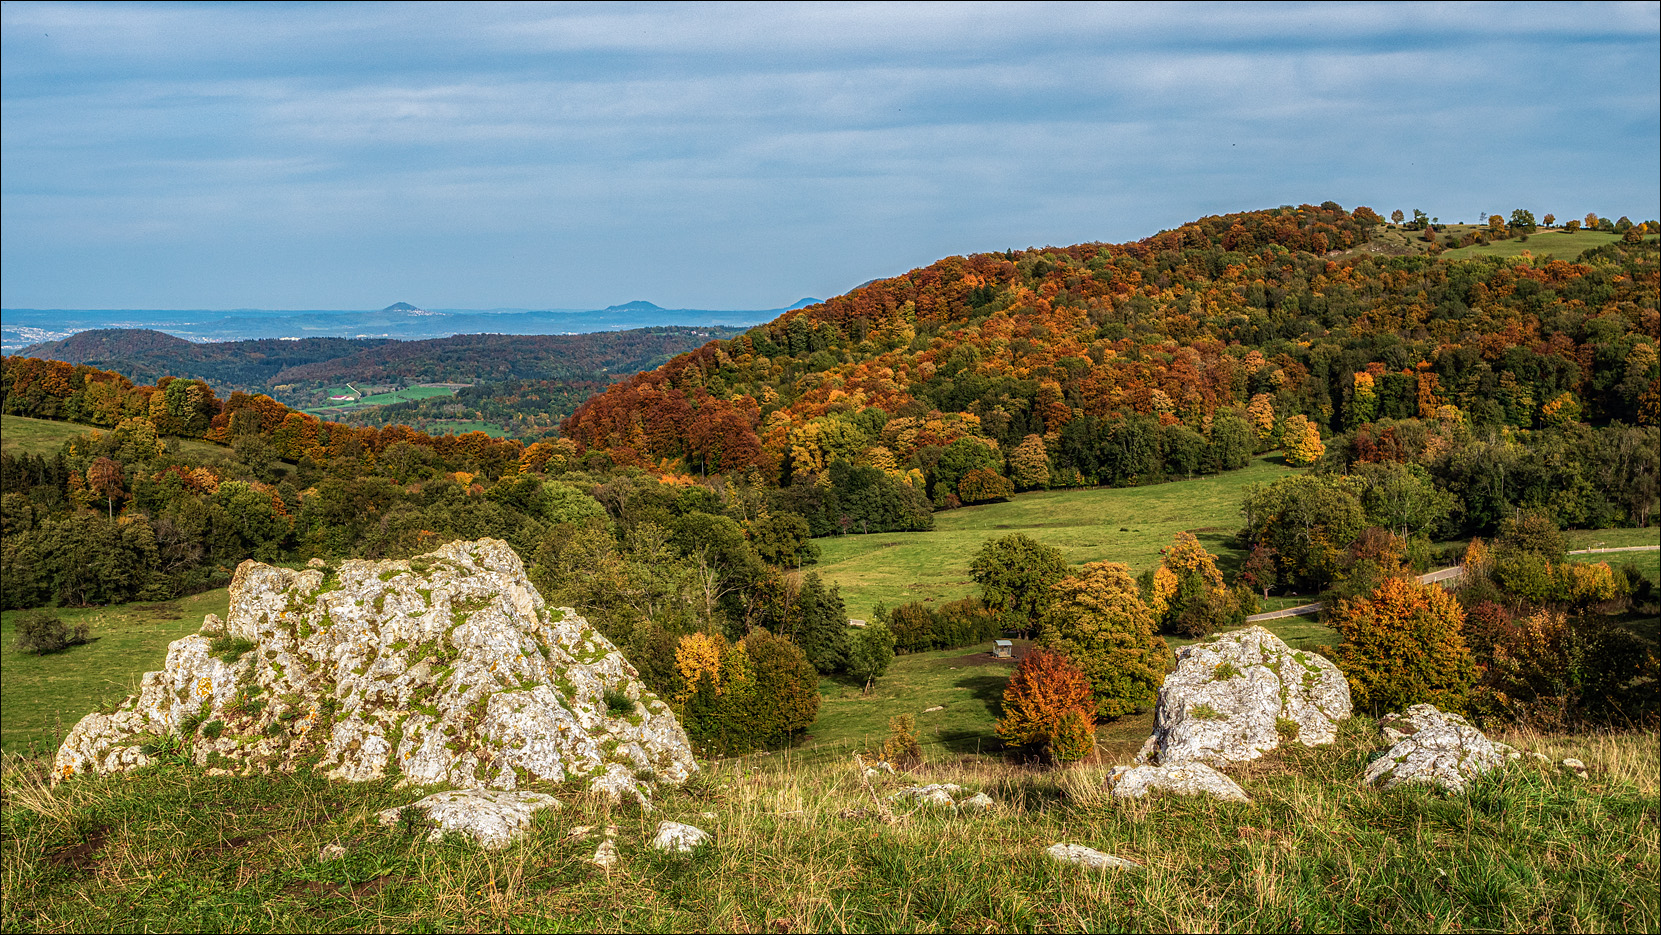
x=446 y=669
x=1238 y=696
x=1430 y=745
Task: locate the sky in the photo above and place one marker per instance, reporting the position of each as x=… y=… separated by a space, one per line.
x=346 y=156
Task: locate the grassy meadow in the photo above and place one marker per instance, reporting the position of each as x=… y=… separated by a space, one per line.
x=43 y=696
x=1557 y=244
x=802 y=844
x=23 y=435
x=1121 y=524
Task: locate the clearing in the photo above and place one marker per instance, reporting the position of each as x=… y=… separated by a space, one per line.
x=21 y=434
x=43 y=696
x=1120 y=524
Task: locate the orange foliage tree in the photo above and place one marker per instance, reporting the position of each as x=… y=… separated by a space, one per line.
x=1046 y=686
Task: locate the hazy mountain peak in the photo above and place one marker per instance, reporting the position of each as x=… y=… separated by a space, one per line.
x=401 y=307
x=638 y=305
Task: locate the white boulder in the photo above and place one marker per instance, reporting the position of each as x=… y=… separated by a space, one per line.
x=677 y=838
x=1088 y=857
x=492 y=818
x=447 y=669
x=943 y=794
x=1134 y=782
x=1229 y=700
x=1430 y=745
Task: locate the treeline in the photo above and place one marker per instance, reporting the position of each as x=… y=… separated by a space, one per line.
x=1133 y=363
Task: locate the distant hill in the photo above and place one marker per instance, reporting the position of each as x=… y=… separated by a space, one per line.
x=402 y=307
x=524 y=383
x=143 y=355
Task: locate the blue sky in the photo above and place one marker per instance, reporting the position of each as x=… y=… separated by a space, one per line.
x=331 y=156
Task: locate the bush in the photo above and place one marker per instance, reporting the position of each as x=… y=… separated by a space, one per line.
x=918 y=628
x=870 y=652
x=1045 y=688
x=1402 y=646
x=744 y=696
x=42 y=632
x=1074 y=737
x=900 y=749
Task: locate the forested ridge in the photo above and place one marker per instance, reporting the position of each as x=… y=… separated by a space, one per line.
x=300 y=372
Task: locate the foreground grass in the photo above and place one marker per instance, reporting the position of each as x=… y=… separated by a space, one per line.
x=1121 y=524
x=43 y=696
x=799 y=848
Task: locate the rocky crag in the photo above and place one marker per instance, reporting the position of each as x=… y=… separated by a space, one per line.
x=446 y=669
x=1231 y=700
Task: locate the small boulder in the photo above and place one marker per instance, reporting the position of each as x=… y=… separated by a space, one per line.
x=605 y=856
x=1088 y=857
x=943 y=794
x=488 y=816
x=674 y=837
x=1241 y=695
x=1575 y=766
x=330 y=852
x=938 y=707
x=980 y=801
x=1134 y=782
x=1430 y=745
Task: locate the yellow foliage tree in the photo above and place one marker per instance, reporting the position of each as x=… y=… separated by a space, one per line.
x=698 y=657
x=1302 y=441
x=1262 y=413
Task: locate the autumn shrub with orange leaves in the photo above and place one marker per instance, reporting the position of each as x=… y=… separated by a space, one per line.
x=1049 y=703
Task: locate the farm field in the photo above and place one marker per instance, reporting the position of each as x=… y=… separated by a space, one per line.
x=1121 y=524
x=43 y=696
x=45 y=437
x=408 y=394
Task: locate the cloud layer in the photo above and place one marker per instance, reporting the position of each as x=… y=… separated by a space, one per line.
x=742 y=156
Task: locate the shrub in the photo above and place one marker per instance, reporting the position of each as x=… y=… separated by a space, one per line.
x=917 y=627
x=1045 y=686
x=1097 y=619
x=1402 y=646
x=743 y=696
x=900 y=749
x=1074 y=737
x=43 y=632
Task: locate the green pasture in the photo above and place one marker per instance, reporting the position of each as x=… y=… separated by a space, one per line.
x=463 y=426
x=1120 y=524
x=1559 y=244
x=43 y=696
x=406 y=395
x=20 y=434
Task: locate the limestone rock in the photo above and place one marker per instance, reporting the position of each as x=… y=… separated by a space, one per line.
x=492 y=818
x=330 y=852
x=938 y=707
x=943 y=794
x=1575 y=766
x=1434 y=746
x=1088 y=857
x=980 y=801
x=1229 y=698
x=677 y=838
x=447 y=669
x=1134 y=782
x=605 y=856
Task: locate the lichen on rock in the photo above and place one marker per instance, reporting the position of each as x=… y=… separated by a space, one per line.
x=1241 y=695
x=1434 y=746
x=446 y=669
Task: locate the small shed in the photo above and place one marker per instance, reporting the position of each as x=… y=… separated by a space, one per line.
x=856 y=623
x=1003 y=649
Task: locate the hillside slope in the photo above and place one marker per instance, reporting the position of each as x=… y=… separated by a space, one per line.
x=1132 y=362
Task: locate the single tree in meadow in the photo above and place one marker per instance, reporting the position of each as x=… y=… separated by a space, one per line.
x=1015 y=573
